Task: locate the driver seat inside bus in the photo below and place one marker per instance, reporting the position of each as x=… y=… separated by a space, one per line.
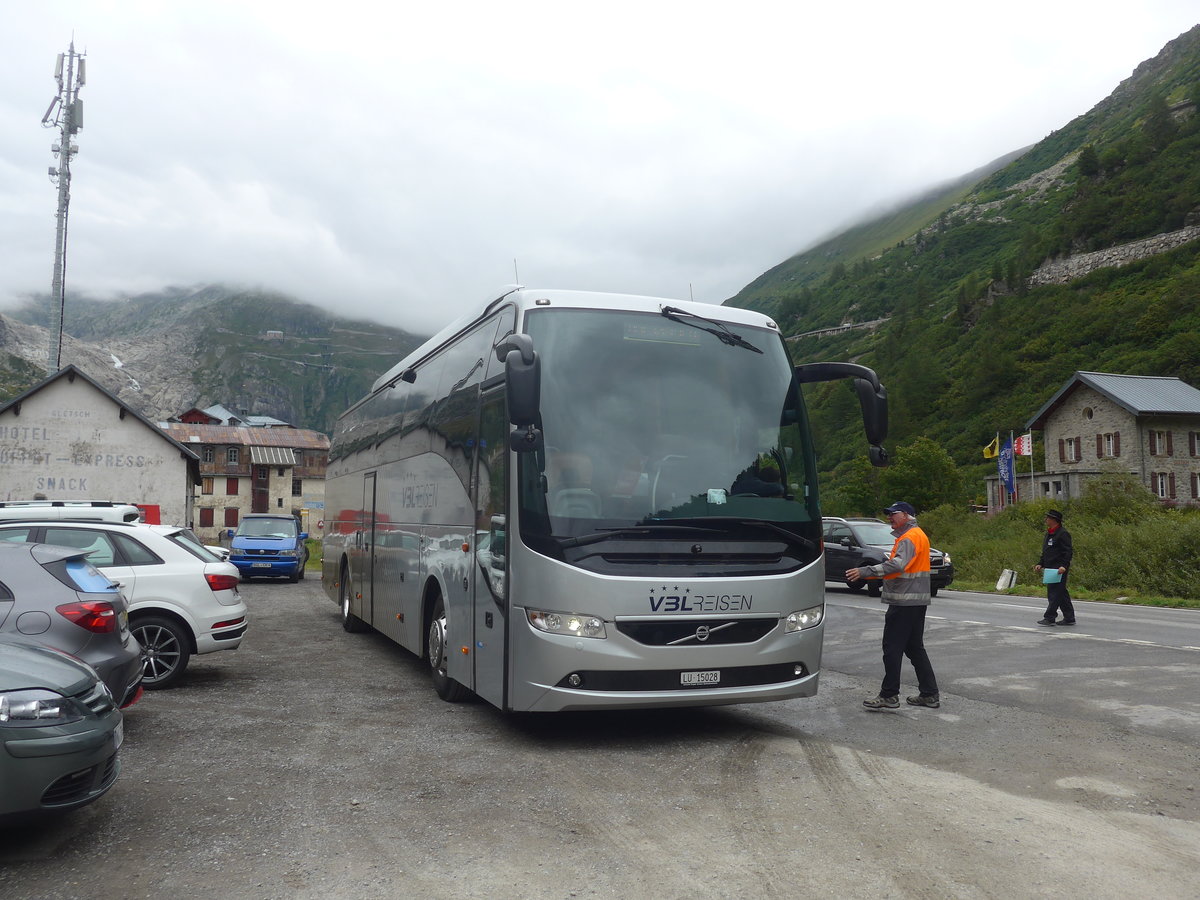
x=570 y=482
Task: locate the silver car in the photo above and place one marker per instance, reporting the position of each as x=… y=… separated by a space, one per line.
x=60 y=731
x=54 y=596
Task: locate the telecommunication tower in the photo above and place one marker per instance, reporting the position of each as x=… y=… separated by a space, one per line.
x=66 y=114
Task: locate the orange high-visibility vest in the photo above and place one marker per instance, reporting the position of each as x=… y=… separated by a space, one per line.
x=920 y=561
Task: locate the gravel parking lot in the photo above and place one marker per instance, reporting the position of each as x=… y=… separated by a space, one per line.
x=315 y=763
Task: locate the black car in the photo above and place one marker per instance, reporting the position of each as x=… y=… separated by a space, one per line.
x=850 y=543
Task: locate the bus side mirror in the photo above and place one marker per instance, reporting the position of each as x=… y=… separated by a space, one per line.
x=872 y=397
x=523 y=378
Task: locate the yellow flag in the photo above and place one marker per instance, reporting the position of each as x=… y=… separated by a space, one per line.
x=992 y=450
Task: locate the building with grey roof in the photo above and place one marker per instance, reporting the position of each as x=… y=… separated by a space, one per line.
x=1098 y=422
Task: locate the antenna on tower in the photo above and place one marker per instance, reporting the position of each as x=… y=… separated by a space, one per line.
x=66 y=114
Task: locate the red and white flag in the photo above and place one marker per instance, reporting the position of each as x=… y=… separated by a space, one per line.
x=1023 y=446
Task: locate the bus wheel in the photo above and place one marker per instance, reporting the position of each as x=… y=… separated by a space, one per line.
x=447 y=688
x=350 y=621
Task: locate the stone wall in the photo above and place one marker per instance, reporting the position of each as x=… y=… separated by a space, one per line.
x=1063 y=270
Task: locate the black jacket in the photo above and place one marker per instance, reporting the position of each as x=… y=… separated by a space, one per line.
x=1056 y=549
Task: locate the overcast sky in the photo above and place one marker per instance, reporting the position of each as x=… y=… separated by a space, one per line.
x=391 y=161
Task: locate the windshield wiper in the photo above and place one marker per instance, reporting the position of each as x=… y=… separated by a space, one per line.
x=635 y=531
x=721 y=332
x=727 y=521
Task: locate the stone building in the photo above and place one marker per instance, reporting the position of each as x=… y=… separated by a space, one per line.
x=68 y=438
x=1148 y=426
x=253 y=468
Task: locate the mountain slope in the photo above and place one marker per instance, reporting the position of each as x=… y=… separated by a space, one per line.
x=970 y=344
x=164 y=352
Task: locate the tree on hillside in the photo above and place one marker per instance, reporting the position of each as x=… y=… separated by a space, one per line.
x=1158 y=125
x=1089 y=163
x=923 y=474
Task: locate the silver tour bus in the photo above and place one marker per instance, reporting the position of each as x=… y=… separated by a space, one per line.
x=590 y=501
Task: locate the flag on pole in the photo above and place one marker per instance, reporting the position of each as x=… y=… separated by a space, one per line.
x=1006 y=467
x=1023 y=446
x=992 y=450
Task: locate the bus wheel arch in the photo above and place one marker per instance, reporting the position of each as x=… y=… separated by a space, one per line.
x=350 y=622
x=437 y=649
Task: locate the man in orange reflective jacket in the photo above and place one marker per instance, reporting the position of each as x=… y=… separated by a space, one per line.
x=906 y=592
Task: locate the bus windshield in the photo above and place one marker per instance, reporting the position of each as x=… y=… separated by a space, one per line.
x=662 y=423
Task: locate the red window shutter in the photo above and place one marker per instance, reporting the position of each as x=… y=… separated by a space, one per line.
x=1171 y=485
x=1170 y=449
x=1116 y=443
x=1153 y=444
x=1191 y=443
x=1195 y=493
x=1078 y=448
x=1099 y=446
x=1062 y=450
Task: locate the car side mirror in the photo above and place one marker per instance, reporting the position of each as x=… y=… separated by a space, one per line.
x=304 y=535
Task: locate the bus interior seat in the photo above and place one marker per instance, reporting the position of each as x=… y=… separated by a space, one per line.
x=576 y=503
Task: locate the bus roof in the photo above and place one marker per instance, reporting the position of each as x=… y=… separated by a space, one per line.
x=526 y=298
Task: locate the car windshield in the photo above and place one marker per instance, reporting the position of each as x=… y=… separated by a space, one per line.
x=267 y=528
x=652 y=423
x=875 y=533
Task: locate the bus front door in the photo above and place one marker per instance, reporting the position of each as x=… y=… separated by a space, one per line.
x=365 y=573
x=488 y=568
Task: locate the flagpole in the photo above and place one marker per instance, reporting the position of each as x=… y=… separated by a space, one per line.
x=1000 y=491
x=1032 y=495
x=1012 y=443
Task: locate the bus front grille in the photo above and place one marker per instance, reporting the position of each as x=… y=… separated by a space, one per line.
x=676 y=632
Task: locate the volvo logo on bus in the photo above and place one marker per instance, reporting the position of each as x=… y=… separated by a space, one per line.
x=702 y=633
x=680 y=599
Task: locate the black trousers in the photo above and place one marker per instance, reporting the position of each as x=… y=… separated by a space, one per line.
x=1057 y=598
x=904 y=635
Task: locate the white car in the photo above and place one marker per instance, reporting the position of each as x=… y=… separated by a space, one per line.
x=182 y=599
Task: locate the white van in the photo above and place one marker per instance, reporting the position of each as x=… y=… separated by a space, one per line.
x=73 y=510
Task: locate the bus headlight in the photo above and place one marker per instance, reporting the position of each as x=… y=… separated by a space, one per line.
x=568 y=623
x=805 y=618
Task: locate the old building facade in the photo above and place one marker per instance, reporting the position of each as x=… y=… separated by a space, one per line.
x=1148 y=426
x=68 y=438
x=254 y=469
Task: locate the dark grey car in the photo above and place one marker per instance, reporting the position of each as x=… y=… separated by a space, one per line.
x=60 y=731
x=850 y=543
x=53 y=596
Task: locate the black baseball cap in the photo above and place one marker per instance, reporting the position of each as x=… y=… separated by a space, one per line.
x=901 y=507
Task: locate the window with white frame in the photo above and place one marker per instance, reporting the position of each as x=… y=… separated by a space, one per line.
x=1160 y=444
x=1072 y=451
x=210 y=453
x=1109 y=447
x=232 y=456
x=1158 y=484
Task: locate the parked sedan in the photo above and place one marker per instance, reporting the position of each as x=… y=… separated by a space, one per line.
x=182 y=599
x=54 y=596
x=850 y=543
x=60 y=731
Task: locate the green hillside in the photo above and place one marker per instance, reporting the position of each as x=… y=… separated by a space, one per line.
x=968 y=347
